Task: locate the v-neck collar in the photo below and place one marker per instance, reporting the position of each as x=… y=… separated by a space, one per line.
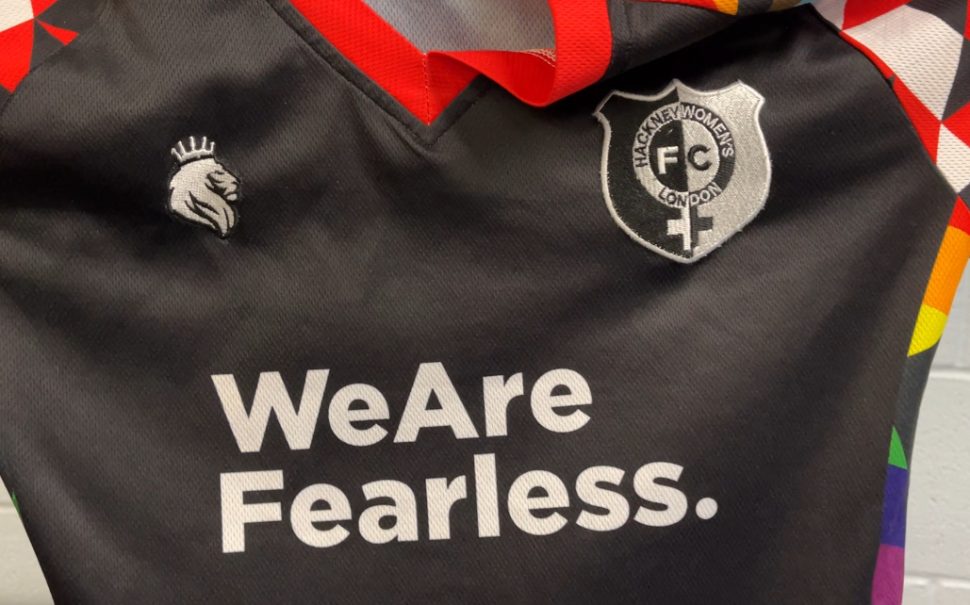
x=431 y=86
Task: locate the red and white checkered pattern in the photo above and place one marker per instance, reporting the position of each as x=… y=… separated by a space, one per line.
x=15 y=12
x=29 y=32
x=924 y=47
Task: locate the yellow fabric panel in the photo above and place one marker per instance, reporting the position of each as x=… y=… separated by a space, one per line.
x=929 y=329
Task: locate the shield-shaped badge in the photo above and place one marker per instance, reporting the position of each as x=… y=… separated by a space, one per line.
x=684 y=170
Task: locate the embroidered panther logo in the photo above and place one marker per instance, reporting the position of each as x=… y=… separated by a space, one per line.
x=202 y=190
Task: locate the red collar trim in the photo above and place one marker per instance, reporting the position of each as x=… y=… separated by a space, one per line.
x=426 y=83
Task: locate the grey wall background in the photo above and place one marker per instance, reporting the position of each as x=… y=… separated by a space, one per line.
x=938 y=559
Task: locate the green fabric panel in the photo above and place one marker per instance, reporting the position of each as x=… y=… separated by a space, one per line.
x=897 y=457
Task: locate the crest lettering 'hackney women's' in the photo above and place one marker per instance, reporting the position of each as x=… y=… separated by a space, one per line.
x=684 y=170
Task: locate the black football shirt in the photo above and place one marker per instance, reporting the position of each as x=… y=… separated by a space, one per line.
x=320 y=301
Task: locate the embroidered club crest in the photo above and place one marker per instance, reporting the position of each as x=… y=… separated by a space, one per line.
x=684 y=170
x=202 y=190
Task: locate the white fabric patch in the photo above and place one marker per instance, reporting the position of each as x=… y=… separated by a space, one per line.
x=921 y=48
x=953 y=158
x=14 y=12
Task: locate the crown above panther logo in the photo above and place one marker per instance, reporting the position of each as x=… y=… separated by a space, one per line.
x=201 y=189
x=204 y=149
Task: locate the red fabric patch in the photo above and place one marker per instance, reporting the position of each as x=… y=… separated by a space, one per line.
x=65 y=36
x=16 y=45
x=959 y=124
x=42 y=5
x=926 y=124
x=858 y=12
x=961 y=216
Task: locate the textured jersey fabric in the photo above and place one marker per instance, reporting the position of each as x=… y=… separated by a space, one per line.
x=295 y=308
